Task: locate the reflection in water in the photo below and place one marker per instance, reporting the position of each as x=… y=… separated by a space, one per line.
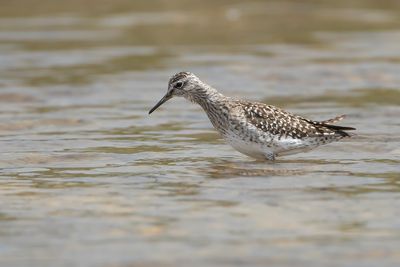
x=232 y=170
x=88 y=178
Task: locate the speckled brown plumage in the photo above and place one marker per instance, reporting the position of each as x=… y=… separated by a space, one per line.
x=255 y=129
x=284 y=124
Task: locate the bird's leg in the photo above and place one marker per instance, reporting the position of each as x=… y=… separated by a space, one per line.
x=270 y=156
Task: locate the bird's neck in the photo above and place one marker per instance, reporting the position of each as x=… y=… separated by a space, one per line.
x=214 y=104
x=207 y=97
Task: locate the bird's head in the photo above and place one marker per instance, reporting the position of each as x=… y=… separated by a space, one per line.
x=184 y=84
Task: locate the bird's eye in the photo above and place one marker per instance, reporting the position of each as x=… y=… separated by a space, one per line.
x=178 y=85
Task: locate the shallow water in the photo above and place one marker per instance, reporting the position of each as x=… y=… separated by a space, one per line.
x=87 y=178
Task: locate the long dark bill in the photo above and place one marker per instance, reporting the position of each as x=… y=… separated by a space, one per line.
x=162 y=101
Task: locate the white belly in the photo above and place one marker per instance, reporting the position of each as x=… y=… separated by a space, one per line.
x=265 y=149
x=252 y=149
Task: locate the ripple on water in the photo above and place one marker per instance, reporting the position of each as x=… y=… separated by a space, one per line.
x=85 y=171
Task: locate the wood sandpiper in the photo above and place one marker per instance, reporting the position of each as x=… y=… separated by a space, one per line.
x=255 y=129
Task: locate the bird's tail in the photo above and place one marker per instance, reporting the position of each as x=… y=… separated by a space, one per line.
x=333 y=120
x=341 y=130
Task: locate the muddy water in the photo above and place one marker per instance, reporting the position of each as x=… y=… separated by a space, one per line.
x=87 y=178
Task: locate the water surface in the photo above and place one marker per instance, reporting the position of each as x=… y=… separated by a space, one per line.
x=87 y=178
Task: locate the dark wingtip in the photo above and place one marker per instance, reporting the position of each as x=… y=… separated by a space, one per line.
x=340 y=130
x=329 y=124
x=343 y=134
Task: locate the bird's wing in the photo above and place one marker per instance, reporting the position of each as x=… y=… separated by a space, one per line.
x=282 y=123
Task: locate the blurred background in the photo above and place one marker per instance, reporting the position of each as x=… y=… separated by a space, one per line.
x=87 y=178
